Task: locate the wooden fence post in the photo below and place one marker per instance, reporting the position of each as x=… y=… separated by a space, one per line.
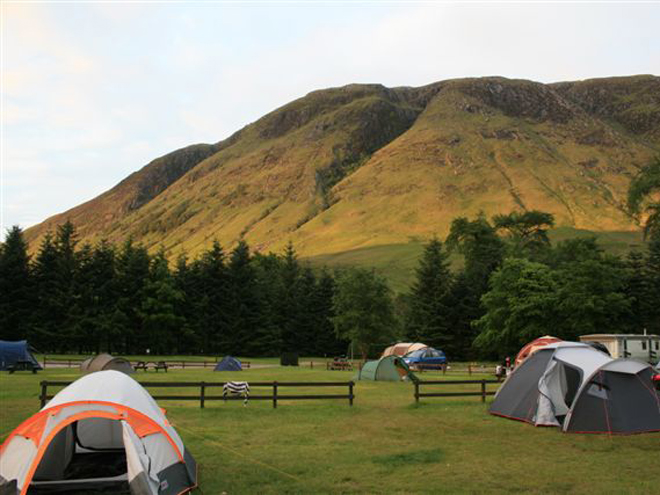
x=470 y=369
x=202 y=395
x=350 y=392
x=416 y=391
x=483 y=390
x=44 y=393
x=274 y=395
x=44 y=362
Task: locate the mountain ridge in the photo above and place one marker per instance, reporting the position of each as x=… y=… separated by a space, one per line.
x=363 y=165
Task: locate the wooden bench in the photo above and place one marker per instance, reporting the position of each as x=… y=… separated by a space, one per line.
x=160 y=365
x=140 y=365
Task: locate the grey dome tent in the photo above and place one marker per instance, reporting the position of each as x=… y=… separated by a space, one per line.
x=19 y=350
x=390 y=368
x=228 y=363
x=102 y=362
x=581 y=390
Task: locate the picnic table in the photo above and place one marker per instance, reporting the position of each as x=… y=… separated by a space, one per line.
x=144 y=365
x=22 y=366
x=339 y=364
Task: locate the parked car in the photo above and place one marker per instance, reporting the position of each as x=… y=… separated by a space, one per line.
x=427 y=358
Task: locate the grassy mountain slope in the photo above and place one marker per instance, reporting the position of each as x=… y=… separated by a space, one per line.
x=397 y=262
x=364 y=165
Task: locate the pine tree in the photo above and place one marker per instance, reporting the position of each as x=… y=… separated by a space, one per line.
x=326 y=343
x=95 y=286
x=306 y=322
x=47 y=319
x=185 y=281
x=428 y=319
x=246 y=333
x=211 y=299
x=158 y=310
x=17 y=301
x=133 y=264
x=291 y=301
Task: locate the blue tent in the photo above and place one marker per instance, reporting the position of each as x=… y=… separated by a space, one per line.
x=228 y=363
x=10 y=352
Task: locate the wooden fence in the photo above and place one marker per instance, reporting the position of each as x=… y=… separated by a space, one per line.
x=73 y=363
x=204 y=386
x=481 y=393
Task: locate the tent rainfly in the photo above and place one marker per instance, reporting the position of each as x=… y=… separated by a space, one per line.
x=402 y=348
x=104 y=431
x=228 y=363
x=533 y=346
x=10 y=352
x=581 y=390
x=390 y=368
x=103 y=362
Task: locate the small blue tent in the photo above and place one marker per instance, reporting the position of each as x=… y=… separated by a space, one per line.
x=228 y=363
x=10 y=352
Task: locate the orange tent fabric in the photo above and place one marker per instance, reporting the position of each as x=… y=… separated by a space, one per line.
x=534 y=346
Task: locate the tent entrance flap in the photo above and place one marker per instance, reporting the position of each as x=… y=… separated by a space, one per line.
x=67 y=464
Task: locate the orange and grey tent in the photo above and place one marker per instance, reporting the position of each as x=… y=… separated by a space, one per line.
x=102 y=431
x=581 y=390
x=102 y=362
x=534 y=346
x=402 y=348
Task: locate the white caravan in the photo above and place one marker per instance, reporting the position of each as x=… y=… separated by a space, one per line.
x=641 y=347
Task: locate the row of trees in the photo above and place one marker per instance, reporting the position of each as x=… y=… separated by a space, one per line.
x=122 y=299
x=513 y=286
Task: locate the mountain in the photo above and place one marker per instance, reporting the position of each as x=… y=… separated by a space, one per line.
x=365 y=165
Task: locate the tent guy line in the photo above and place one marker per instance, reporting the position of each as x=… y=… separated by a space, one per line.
x=229 y=449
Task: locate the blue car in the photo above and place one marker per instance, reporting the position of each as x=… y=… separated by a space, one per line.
x=427 y=358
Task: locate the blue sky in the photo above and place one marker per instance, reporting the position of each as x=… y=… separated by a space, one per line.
x=91 y=92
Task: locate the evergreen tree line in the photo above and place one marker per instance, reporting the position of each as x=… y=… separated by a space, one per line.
x=125 y=300
x=513 y=285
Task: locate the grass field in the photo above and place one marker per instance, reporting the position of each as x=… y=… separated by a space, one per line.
x=383 y=444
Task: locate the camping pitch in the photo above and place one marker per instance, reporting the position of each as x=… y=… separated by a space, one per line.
x=103 y=362
x=12 y=352
x=102 y=431
x=228 y=363
x=582 y=390
x=534 y=346
x=390 y=368
x=402 y=348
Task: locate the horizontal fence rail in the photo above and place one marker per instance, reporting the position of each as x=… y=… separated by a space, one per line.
x=76 y=362
x=480 y=393
x=204 y=386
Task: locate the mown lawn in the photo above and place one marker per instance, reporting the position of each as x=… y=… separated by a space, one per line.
x=383 y=444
